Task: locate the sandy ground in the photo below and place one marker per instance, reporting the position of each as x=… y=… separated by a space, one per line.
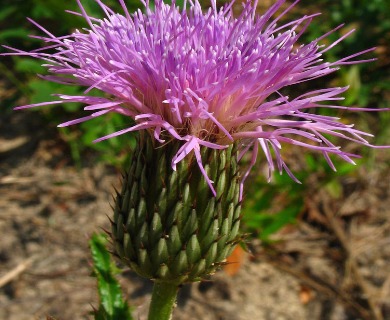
x=334 y=265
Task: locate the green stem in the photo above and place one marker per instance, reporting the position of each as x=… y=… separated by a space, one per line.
x=163 y=301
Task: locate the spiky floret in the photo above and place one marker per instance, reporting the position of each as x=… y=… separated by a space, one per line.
x=204 y=78
x=167 y=224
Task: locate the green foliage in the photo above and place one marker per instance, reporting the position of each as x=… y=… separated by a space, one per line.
x=112 y=306
x=371 y=21
x=21 y=73
x=114 y=151
x=263 y=196
x=268 y=207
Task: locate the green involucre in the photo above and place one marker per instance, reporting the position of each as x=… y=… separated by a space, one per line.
x=167 y=224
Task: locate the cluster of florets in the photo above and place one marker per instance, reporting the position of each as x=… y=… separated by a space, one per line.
x=203 y=78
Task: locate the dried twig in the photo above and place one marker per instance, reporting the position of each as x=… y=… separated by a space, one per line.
x=343 y=239
x=12 y=274
x=320 y=286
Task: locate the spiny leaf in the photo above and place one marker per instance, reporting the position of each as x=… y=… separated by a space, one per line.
x=112 y=306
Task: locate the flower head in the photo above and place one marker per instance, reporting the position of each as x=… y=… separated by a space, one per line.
x=203 y=78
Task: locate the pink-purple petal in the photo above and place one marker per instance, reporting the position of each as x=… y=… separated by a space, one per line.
x=205 y=79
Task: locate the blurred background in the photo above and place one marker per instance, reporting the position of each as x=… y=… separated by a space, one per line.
x=319 y=250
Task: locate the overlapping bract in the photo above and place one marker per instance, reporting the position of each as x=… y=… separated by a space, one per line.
x=204 y=78
x=167 y=224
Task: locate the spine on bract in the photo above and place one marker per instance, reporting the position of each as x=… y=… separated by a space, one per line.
x=168 y=226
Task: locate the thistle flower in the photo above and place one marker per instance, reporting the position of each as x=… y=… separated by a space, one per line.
x=207 y=88
x=204 y=79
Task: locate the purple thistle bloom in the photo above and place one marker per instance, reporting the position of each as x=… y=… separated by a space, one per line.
x=205 y=79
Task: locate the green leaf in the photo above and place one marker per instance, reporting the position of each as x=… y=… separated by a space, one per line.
x=279 y=220
x=41 y=10
x=180 y=3
x=5 y=12
x=41 y=91
x=112 y=305
x=29 y=65
x=44 y=90
x=334 y=188
x=13 y=33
